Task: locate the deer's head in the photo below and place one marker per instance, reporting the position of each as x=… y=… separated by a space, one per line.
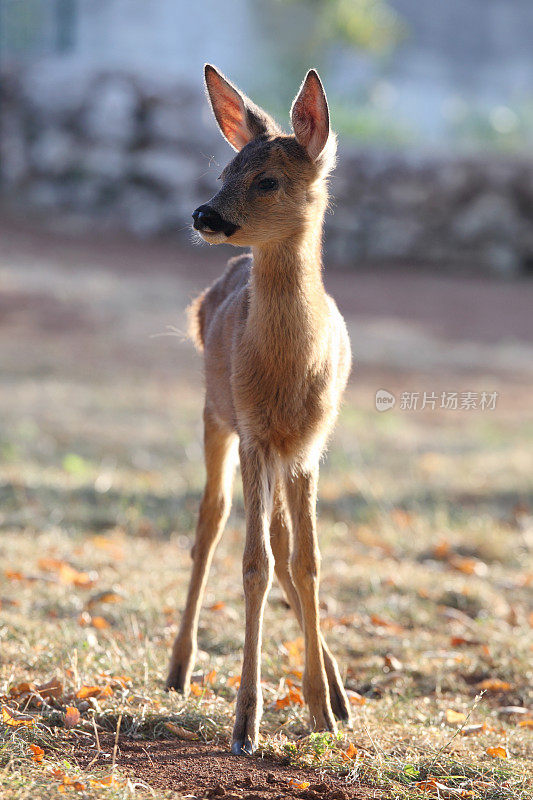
x=275 y=186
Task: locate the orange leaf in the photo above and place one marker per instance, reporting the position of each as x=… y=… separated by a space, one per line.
x=69 y=575
x=497 y=752
x=525 y=723
x=442 y=550
x=429 y=785
x=72 y=717
x=196 y=689
x=234 y=680
x=296 y=785
x=494 y=685
x=293 y=697
x=122 y=680
x=104 y=597
x=38 y=753
x=100 y=623
x=210 y=677
x=109 y=780
x=217 y=606
x=469 y=566
x=454 y=717
x=14 y=575
x=295 y=650
x=50 y=564
x=94 y=691
x=355 y=698
x=351 y=752
x=181 y=733
x=14 y=720
x=22 y=688
x=296 y=697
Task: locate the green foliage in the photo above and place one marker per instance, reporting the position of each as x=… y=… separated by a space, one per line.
x=368 y=24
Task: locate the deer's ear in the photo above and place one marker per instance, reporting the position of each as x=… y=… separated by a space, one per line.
x=310 y=115
x=239 y=119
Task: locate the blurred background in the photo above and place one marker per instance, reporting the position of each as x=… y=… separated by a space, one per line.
x=104 y=119
x=106 y=147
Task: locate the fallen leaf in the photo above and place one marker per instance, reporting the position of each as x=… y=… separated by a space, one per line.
x=22 y=688
x=181 y=733
x=196 y=689
x=109 y=596
x=52 y=689
x=525 y=723
x=351 y=751
x=69 y=575
x=355 y=698
x=217 y=606
x=494 y=685
x=210 y=677
x=294 y=650
x=442 y=550
x=497 y=752
x=66 y=573
x=38 y=753
x=469 y=566
x=380 y=622
x=72 y=717
x=109 y=780
x=15 y=575
x=94 y=691
x=115 y=550
x=296 y=785
x=100 y=623
x=85 y=620
x=293 y=697
x=15 y=720
x=454 y=717
x=234 y=680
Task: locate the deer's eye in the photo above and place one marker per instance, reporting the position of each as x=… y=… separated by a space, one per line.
x=267 y=184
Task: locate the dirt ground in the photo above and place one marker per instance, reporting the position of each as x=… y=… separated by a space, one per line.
x=197 y=769
x=425 y=525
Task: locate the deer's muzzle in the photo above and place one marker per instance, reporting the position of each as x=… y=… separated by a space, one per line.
x=207 y=220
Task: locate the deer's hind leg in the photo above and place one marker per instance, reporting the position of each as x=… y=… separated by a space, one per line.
x=220 y=461
x=280 y=539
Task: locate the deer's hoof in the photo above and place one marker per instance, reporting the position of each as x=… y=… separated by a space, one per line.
x=177 y=680
x=242 y=747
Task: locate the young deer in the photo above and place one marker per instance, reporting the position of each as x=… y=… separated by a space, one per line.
x=277 y=359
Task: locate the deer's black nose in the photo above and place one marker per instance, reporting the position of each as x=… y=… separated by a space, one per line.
x=208 y=220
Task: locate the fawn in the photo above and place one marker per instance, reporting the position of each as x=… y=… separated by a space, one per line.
x=277 y=360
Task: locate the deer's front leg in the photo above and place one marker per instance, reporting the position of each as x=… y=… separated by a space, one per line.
x=257 y=576
x=305 y=569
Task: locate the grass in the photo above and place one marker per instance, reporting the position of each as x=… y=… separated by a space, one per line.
x=425 y=592
x=426 y=535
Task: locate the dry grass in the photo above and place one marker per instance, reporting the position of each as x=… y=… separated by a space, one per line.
x=426 y=532
x=424 y=594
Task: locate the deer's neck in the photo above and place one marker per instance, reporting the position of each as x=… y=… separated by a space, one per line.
x=288 y=303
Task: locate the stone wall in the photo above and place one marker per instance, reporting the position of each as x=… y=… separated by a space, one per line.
x=119 y=152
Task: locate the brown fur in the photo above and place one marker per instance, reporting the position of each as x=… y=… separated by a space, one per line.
x=277 y=359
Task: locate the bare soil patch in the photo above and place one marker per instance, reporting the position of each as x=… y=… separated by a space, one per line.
x=211 y=771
